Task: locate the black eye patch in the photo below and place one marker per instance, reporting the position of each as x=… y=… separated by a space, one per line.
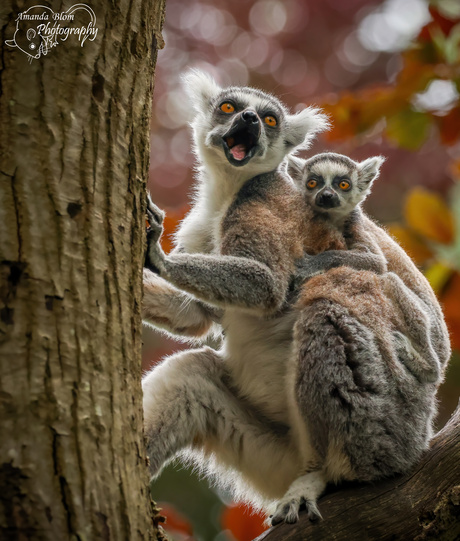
x=314 y=181
x=343 y=182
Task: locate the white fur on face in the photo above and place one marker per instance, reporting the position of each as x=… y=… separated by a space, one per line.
x=329 y=170
x=293 y=132
x=328 y=166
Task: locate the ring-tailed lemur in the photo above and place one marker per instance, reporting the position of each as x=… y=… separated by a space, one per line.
x=237 y=406
x=224 y=133
x=368 y=398
x=335 y=186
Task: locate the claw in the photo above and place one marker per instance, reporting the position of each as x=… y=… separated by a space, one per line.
x=312 y=510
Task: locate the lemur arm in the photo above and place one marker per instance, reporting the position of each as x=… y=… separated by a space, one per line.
x=175 y=311
x=363 y=254
x=359 y=259
x=240 y=278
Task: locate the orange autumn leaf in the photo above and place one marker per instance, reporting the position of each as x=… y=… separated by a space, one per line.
x=360 y=111
x=411 y=243
x=450 y=301
x=175 y=523
x=438 y=275
x=171 y=224
x=454 y=169
x=428 y=215
x=243 y=524
x=449 y=126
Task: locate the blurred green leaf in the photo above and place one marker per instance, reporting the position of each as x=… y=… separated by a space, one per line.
x=192 y=497
x=448 y=8
x=451 y=253
x=408 y=129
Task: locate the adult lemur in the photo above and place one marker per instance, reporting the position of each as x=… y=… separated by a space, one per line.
x=242 y=408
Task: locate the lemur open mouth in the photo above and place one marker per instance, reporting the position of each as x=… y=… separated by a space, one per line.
x=240 y=144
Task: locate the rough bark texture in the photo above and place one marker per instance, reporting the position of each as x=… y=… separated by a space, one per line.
x=74 y=131
x=422 y=505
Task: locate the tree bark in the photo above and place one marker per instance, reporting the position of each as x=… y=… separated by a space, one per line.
x=422 y=505
x=74 y=133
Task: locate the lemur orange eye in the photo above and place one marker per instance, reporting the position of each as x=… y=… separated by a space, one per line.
x=271 y=121
x=227 y=107
x=312 y=183
x=344 y=185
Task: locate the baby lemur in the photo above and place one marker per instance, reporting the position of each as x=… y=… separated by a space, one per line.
x=335 y=186
x=241 y=411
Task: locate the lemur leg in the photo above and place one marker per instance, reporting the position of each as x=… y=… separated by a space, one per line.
x=175 y=311
x=303 y=491
x=188 y=400
x=362 y=426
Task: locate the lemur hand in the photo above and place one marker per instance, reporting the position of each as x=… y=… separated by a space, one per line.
x=154 y=257
x=309 y=266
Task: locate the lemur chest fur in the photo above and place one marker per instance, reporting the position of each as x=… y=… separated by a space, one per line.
x=256 y=348
x=257 y=351
x=200 y=232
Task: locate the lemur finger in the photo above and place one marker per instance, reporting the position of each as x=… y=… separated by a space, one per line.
x=153 y=235
x=286 y=512
x=312 y=510
x=154 y=213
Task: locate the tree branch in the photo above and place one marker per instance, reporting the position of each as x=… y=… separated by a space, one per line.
x=424 y=504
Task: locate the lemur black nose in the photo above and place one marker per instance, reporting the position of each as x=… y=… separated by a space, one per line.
x=327 y=199
x=250 y=117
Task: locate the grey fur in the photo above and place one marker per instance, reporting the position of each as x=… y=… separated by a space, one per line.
x=309 y=266
x=423 y=319
x=241 y=279
x=349 y=394
x=328 y=169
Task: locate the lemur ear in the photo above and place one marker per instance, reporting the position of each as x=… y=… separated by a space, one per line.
x=295 y=168
x=201 y=88
x=303 y=126
x=369 y=170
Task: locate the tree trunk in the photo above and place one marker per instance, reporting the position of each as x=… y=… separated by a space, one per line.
x=74 y=132
x=422 y=505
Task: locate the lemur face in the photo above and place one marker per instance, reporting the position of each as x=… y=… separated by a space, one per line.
x=335 y=184
x=247 y=125
x=246 y=128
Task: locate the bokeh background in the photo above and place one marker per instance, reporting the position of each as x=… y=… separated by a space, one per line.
x=388 y=73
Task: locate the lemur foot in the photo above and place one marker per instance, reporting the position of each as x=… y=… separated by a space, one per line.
x=303 y=492
x=289 y=511
x=154 y=256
